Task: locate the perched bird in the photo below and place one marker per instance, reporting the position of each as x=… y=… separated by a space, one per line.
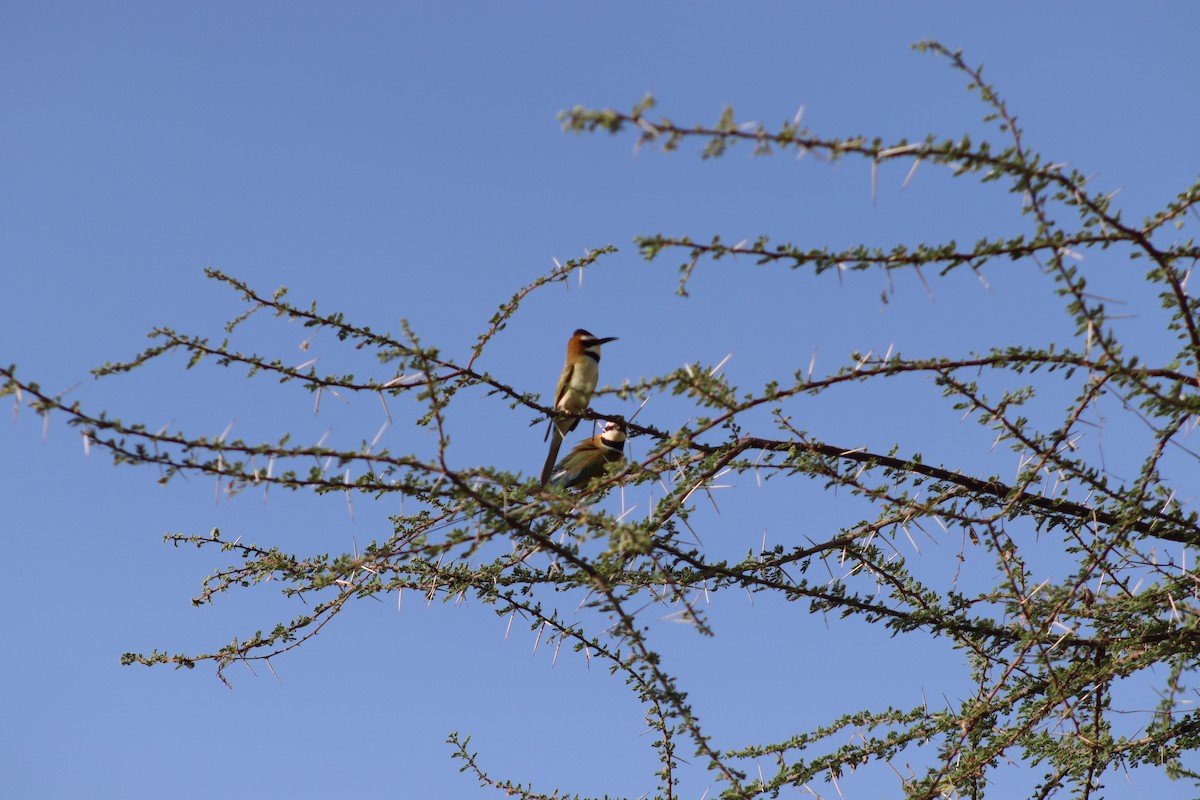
x=589 y=458
x=574 y=391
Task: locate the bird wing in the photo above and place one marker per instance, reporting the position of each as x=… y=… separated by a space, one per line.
x=564 y=382
x=567 y=472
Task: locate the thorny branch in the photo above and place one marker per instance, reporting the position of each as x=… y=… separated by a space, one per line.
x=1048 y=649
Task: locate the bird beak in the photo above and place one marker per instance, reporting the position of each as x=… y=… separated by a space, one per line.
x=606 y=340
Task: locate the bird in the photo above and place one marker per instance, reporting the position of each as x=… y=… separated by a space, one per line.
x=574 y=391
x=588 y=459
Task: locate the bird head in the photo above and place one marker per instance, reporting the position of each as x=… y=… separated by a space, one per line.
x=588 y=341
x=613 y=435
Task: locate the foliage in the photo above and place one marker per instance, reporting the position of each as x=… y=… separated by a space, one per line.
x=1048 y=658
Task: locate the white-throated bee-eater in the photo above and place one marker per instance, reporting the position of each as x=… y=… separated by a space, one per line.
x=589 y=458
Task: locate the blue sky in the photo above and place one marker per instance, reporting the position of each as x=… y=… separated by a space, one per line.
x=404 y=160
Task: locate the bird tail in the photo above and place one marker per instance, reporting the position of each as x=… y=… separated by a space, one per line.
x=556 y=440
